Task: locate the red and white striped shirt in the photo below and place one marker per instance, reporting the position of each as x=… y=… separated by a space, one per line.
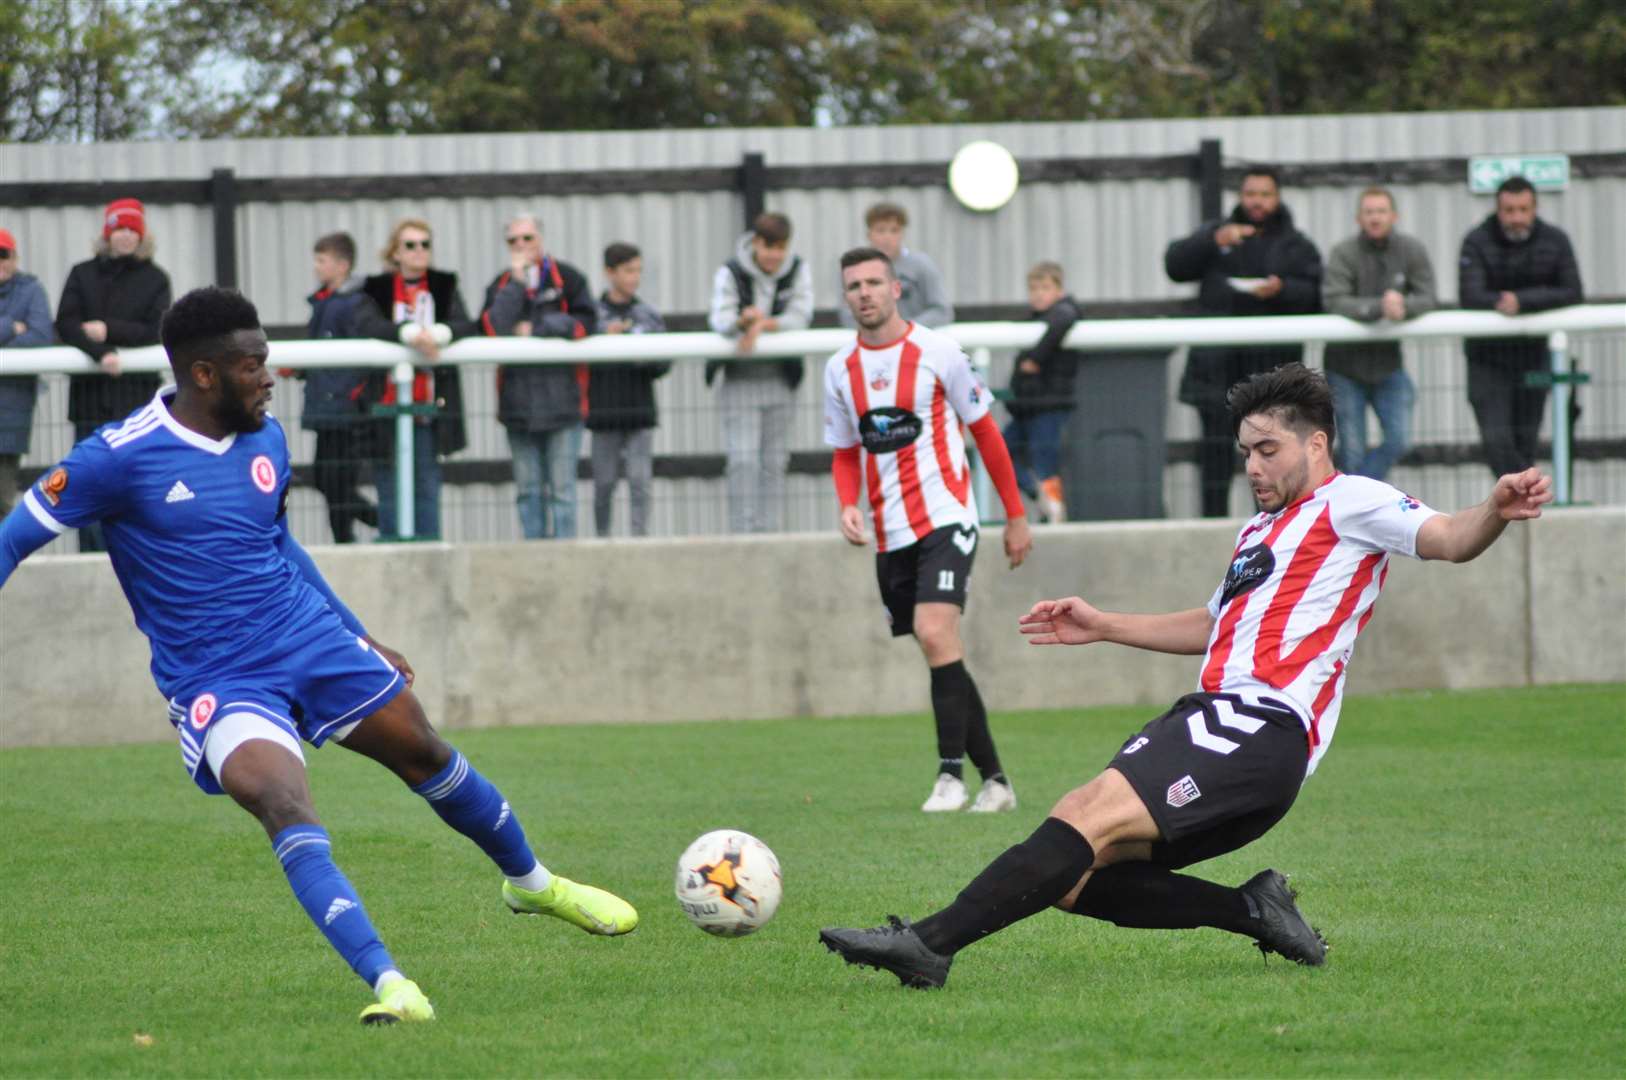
x=1300 y=587
x=904 y=402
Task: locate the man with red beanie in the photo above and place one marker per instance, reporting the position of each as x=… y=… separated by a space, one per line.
x=116 y=298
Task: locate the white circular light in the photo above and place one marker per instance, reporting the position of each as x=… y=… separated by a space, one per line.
x=983 y=175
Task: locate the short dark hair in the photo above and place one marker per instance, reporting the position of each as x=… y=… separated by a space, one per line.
x=620 y=253
x=1515 y=185
x=202 y=321
x=772 y=228
x=1297 y=396
x=341 y=245
x=886 y=211
x=867 y=254
x=1271 y=171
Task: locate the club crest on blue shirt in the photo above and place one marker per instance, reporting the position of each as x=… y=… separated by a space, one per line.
x=263 y=473
x=202 y=710
x=54 y=485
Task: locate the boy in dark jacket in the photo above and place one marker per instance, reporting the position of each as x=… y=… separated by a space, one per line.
x=1252 y=263
x=1042 y=393
x=621 y=397
x=336 y=405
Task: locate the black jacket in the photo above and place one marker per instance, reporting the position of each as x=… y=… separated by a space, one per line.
x=129 y=294
x=1051 y=387
x=337 y=397
x=1276 y=248
x=1541 y=272
x=621 y=397
x=450 y=433
x=541 y=397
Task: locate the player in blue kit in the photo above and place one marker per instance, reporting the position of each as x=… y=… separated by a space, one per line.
x=250 y=645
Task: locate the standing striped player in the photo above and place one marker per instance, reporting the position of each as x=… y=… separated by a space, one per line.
x=894 y=401
x=252 y=648
x=1226 y=762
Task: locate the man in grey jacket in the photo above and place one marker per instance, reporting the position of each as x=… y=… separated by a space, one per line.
x=1377 y=274
x=25 y=320
x=925 y=299
x=761 y=289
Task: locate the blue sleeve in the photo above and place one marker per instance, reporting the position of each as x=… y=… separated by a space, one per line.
x=85 y=488
x=301 y=560
x=37 y=319
x=21 y=534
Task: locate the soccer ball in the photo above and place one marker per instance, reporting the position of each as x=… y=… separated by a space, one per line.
x=728 y=883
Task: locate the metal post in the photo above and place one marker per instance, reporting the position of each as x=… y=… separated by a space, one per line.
x=405 y=519
x=1558 y=349
x=981 y=485
x=1210 y=179
x=223 y=198
x=753 y=186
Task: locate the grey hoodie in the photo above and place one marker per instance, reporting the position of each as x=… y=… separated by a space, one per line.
x=1358 y=273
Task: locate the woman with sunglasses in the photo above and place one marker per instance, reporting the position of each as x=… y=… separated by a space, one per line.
x=427 y=311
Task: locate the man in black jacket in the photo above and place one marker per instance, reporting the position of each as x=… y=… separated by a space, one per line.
x=114 y=299
x=1252 y=263
x=541 y=405
x=1515 y=263
x=1042 y=393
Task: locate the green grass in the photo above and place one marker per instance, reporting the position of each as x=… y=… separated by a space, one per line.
x=1465 y=854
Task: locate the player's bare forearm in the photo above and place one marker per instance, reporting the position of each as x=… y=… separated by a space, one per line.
x=1184 y=633
x=1074 y=621
x=1464 y=535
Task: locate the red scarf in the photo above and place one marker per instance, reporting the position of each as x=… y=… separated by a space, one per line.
x=407 y=298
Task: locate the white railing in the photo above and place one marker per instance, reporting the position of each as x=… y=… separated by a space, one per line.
x=978 y=338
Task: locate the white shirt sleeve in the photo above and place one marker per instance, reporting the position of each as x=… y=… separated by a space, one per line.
x=1378 y=517
x=964 y=388
x=840 y=426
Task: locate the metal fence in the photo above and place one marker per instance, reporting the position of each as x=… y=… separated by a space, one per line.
x=1444 y=468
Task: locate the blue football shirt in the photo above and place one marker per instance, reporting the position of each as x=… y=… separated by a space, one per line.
x=194 y=529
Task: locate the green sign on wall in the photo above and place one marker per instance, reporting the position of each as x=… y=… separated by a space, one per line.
x=1546 y=172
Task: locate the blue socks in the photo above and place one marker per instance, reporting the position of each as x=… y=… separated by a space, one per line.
x=468 y=802
x=306 y=855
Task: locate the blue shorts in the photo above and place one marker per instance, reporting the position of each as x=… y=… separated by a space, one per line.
x=322 y=679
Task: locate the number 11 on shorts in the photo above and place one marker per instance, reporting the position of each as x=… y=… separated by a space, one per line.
x=945 y=581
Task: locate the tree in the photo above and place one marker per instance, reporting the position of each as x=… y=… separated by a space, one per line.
x=69 y=71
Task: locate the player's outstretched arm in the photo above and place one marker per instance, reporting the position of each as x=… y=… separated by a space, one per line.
x=21 y=534
x=1074 y=621
x=1465 y=534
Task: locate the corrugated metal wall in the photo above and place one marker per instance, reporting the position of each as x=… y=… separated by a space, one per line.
x=1110 y=235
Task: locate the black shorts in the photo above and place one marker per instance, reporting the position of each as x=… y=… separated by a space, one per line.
x=1215 y=772
x=933 y=570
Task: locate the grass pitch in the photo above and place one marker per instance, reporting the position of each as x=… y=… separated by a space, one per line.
x=1465 y=854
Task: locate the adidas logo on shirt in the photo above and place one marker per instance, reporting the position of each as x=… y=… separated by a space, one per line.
x=340 y=905
x=179 y=493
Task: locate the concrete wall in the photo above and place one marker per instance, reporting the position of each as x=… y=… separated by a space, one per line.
x=616 y=631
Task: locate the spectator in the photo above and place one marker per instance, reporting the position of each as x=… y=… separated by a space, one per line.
x=1376 y=274
x=25 y=320
x=336 y=405
x=1514 y=263
x=761 y=289
x=541 y=405
x=426 y=311
x=1252 y=263
x=925 y=299
x=621 y=412
x=1042 y=393
x=116 y=298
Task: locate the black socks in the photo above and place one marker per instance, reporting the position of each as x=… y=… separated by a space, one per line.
x=1023 y=881
x=962 y=722
x=1149 y=897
